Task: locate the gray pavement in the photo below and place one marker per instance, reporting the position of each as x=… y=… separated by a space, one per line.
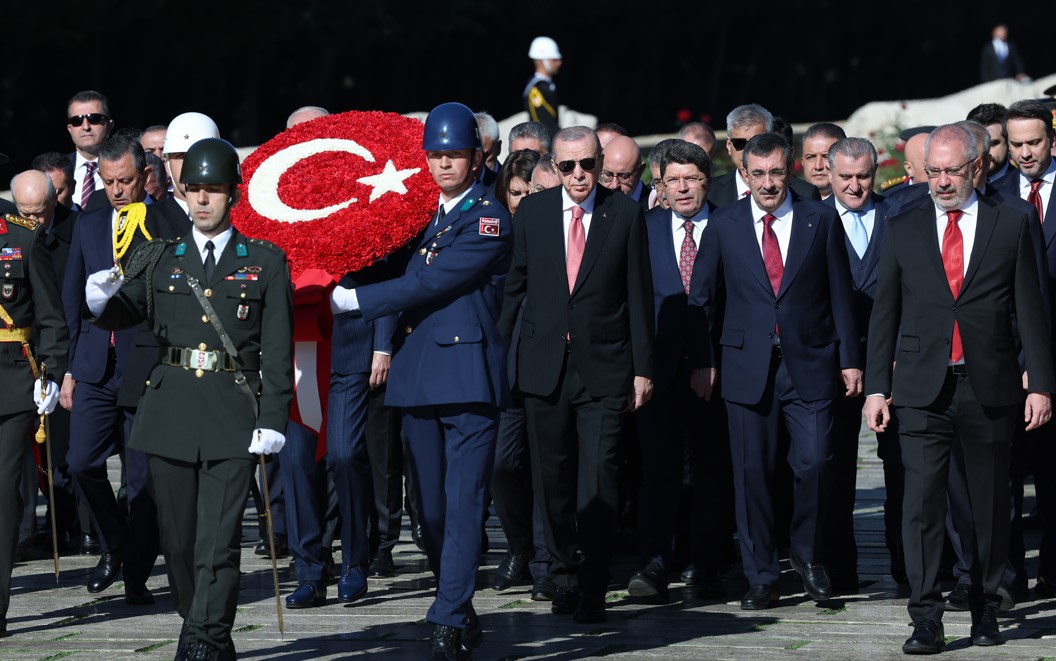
x=48 y=621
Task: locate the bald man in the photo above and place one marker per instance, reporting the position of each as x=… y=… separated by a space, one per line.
x=305 y=114
x=621 y=169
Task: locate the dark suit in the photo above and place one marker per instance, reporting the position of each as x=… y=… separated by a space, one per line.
x=724 y=189
x=195 y=426
x=912 y=321
x=30 y=298
x=98 y=199
x=676 y=423
x=448 y=376
x=991 y=67
x=813 y=315
x=841 y=552
x=579 y=386
x=109 y=380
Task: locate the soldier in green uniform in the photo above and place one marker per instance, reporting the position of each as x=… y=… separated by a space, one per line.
x=221 y=306
x=28 y=295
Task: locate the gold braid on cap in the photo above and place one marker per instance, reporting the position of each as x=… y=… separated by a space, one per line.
x=130 y=219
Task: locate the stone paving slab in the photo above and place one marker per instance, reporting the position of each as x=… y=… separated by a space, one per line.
x=50 y=622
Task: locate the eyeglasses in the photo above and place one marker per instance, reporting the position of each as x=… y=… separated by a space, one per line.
x=956 y=171
x=691 y=182
x=607 y=176
x=658 y=184
x=776 y=173
x=94 y=118
x=567 y=166
x=739 y=143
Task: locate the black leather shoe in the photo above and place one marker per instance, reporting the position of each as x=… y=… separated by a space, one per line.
x=510 y=571
x=565 y=601
x=198 y=650
x=184 y=643
x=3 y=627
x=282 y=550
x=985 y=632
x=649 y=582
x=138 y=595
x=760 y=597
x=418 y=535
x=89 y=545
x=591 y=610
x=958 y=599
x=543 y=589
x=446 y=643
x=105 y=573
x=382 y=565
x=815 y=578
x=308 y=594
x=689 y=575
x=927 y=638
x=1043 y=590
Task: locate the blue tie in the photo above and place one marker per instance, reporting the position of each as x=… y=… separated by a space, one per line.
x=859 y=237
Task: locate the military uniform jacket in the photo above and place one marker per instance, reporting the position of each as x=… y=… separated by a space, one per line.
x=29 y=295
x=447 y=348
x=540 y=101
x=187 y=416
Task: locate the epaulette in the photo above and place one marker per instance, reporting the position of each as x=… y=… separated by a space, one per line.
x=28 y=223
x=893 y=181
x=266 y=244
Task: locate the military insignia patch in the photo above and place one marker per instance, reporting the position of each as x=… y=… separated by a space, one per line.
x=8 y=290
x=488 y=227
x=243 y=276
x=10 y=254
x=243 y=312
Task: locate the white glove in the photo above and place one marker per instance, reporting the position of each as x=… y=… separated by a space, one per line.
x=343 y=299
x=46 y=401
x=266 y=441
x=101 y=287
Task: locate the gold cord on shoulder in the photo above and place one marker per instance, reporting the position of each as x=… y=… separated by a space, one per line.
x=130 y=219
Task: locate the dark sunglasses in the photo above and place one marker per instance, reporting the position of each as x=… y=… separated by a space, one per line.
x=94 y=118
x=567 y=166
x=739 y=143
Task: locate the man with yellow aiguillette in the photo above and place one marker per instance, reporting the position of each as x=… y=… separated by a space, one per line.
x=28 y=295
x=540 y=95
x=221 y=306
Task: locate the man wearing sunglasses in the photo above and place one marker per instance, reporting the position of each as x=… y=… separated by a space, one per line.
x=89 y=123
x=585 y=357
x=742 y=124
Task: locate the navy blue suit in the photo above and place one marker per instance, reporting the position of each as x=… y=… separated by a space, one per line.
x=675 y=417
x=448 y=374
x=841 y=552
x=103 y=405
x=813 y=313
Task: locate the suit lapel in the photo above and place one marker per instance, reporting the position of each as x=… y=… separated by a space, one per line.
x=744 y=226
x=984 y=230
x=804 y=229
x=600 y=226
x=872 y=253
x=929 y=242
x=1047 y=228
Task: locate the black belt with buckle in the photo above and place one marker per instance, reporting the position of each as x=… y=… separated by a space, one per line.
x=208 y=361
x=959 y=370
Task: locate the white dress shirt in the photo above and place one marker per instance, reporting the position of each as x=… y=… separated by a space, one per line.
x=449 y=205
x=782 y=226
x=79 y=170
x=1045 y=191
x=220 y=242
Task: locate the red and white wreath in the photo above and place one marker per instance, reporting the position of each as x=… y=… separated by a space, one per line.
x=339 y=192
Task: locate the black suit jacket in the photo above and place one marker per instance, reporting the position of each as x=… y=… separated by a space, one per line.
x=609 y=313
x=914 y=311
x=724 y=189
x=991 y=68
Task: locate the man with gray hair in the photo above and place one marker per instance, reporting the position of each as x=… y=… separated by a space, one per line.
x=491 y=142
x=305 y=114
x=742 y=124
x=530 y=135
x=953 y=270
x=851 y=168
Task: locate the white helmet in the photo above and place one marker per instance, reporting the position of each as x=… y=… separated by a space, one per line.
x=544 y=48
x=186 y=129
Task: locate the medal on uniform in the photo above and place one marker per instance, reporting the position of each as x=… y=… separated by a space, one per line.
x=8 y=290
x=243 y=312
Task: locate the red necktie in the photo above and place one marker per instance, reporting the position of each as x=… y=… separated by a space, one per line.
x=576 y=242
x=953 y=263
x=775 y=268
x=1035 y=198
x=88 y=187
x=687 y=255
